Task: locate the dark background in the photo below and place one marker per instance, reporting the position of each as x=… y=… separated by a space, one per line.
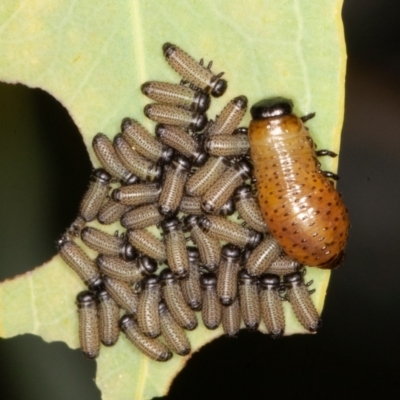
x=356 y=351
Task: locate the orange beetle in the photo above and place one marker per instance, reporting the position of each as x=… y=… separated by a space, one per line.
x=301 y=207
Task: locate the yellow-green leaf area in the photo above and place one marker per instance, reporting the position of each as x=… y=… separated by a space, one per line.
x=93 y=57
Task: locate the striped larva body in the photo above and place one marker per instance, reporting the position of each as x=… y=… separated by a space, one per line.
x=173 y=297
x=227 y=145
x=301 y=207
x=147 y=244
x=151 y=348
x=211 y=311
x=108 y=312
x=227 y=274
x=172 y=115
x=173 y=334
x=145 y=143
x=206 y=175
x=104 y=243
x=300 y=300
x=263 y=256
x=147 y=313
x=229 y=231
x=89 y=337
x=138 y=194
x=95 y=194
x=182 y=142
x=221 y=190
x=271 y=305
x=248 y=209
x=208 y=247
x=111 y=212
x=105 y=153
x=177 y=95
x=77 y=259
x=249 y=302
x=229 y=118
x=141 y=217
x=192 y=205
x=141 y=167
x=122 y=294
x=126 y=271
x=173 y=186
x=190 y=285
x=175 y=243
x=231 y=318
x=193 y=72
x=284 y=265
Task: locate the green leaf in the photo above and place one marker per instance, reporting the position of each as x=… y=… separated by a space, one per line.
x=93 y=57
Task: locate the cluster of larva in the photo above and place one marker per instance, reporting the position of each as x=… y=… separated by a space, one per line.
x=188 y=180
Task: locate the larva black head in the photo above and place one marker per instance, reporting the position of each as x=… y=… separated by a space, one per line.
x=147 y=265
x=228 y=208
x=85 y=299
x=126 y=321
x=272 y=107
x=242 y=192
x=103 y=295
x=199 y=122
x=204 y=223
x=150 y=281
x=230 y=251
x=219 y=88
x=269 y=281
x=293 y=279
x=145 y=88
x=168 y=49
x=170 y=224
x=166 y=155
x=162 y=307
x=167 y=276
x=161 y=130
x=245 y=167
x=253 y=240
x=240 y=102
x=239 y=131
x=95 y=285
x=244 y=277
x=208 y=280
x=201 y=102
x=127 y=252
x=189 y=222
x=131 y=180
x=101 y=176
x=181 y=162
x=192 y=253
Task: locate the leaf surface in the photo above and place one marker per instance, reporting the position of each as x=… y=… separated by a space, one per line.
x=93 y=57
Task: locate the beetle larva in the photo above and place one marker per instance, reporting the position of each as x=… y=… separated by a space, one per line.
x=221 y=190
x=194 y=72
x=144 y=142
x=173 y=334
x=229 y=119
x=141 y=217
x=249 y=303
x=211 y=312
x=300 y=300
x=111 y=212
x=122 y=294
x=138 y=194
x=172 y=294
x=175 y=243
x=248 y=209
x=171 y=115
x=284 y=265
x=147 y=314
x=173 y=186
x=177 y=95
x=227 y=145
x=108 y=312
x=89 y=337
x=105 y=153
x=229 y=231
x=206 y=175
x=126 y=271
x=182 y=142
x=209 y=247
x=231 y=318
x=147 y=244
x=271 y=305
x=190 y=285
x=301 y=207
x=134 y=162
x=263 y=256
x=95 y=195
x=151 y=348
x=227 y=274
x=104 y=243
x=77 y=259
